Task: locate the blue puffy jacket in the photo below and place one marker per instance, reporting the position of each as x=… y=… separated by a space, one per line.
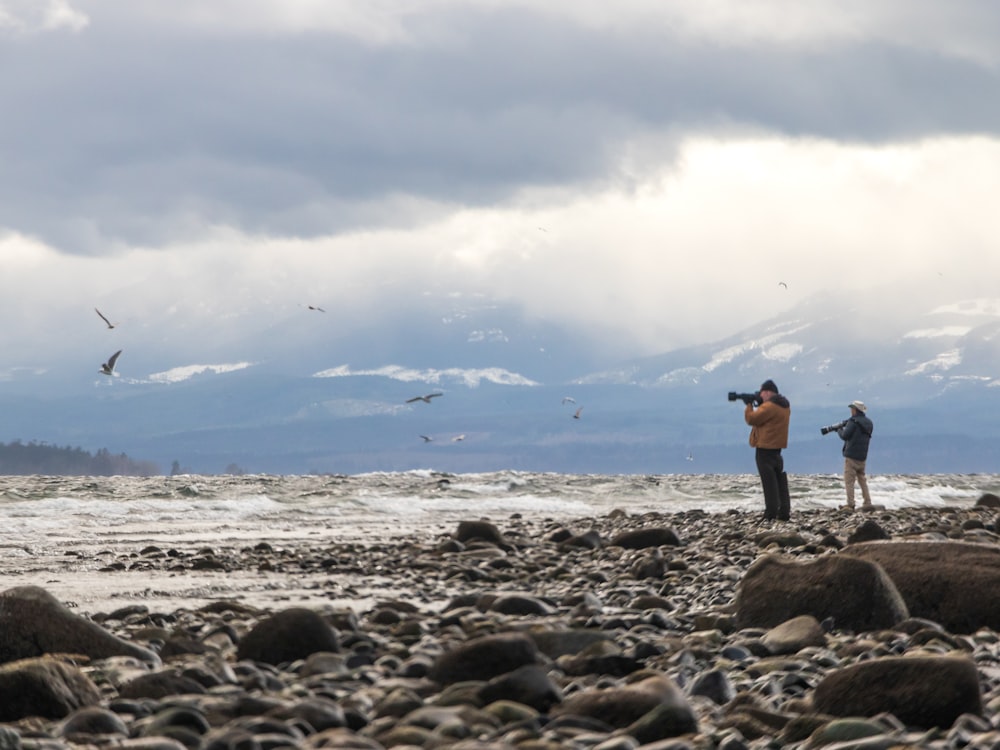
x=856 y=434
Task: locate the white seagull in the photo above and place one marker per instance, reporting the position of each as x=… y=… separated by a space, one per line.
x=426 y=439
x=577 y=415
x=568 y=400
x=108 y=368
x=107 y=322
x=426 y=399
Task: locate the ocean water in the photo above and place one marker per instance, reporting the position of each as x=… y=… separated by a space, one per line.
x=47 y=512
x=87 y=539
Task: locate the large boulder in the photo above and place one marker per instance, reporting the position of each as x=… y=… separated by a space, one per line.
x=288 y=635
x=856 y=593
x=34 y=623
x=919 y=691
x=943 y=581
x=44 y=687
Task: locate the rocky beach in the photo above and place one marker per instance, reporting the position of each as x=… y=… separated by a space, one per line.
x=625 y=630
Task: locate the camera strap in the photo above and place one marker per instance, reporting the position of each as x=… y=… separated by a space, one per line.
x=861 y=427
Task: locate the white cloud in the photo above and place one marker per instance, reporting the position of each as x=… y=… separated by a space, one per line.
x=470 y=378
x=35 y=16
x=692 y=254
x=961 y=28
x=982 y=306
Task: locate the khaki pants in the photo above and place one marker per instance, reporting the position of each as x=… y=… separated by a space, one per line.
x=854 y=470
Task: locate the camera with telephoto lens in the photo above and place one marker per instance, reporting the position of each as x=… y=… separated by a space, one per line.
x=831 y=428
x=746 y=398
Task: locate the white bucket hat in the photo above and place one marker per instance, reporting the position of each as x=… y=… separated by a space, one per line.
x=859 y=405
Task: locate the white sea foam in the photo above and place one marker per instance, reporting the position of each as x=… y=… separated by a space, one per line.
x=49 y=511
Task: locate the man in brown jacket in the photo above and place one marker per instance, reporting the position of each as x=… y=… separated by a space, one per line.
x=769 y=420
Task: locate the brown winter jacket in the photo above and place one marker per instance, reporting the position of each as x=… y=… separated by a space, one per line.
x=769 y=423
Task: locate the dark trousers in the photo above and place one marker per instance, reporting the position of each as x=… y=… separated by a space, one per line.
x=774 y=481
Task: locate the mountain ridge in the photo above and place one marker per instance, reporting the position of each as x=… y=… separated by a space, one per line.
x=316 y=408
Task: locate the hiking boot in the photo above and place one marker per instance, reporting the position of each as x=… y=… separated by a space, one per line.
x=846 y=507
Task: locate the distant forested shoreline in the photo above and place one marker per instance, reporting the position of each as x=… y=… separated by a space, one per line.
x=19 y=458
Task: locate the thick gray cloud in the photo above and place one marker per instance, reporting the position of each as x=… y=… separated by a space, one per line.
x=127 y=132
x=639 y=174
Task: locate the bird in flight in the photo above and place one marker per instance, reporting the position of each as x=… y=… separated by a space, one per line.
x=426 y=439
x=458 y=438
x=108 y=368
x=568 y=400
x=426 y=399
x=782 y=283
x=577 y=415
x=317 y=309
x=106 y=321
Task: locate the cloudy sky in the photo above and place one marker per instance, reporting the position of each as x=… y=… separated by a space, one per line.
x=649 y=170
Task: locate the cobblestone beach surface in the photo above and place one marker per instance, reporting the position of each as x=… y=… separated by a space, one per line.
x=611 y=632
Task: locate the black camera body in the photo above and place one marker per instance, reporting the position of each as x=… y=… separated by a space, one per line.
x=831 y=428
x=746 y=398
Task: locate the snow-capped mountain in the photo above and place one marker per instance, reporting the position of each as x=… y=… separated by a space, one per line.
x=523 y=394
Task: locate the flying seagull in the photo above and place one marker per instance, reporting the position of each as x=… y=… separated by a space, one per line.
x=426 y=439
x=426 y=399
x=568 y=400
x=108 y=368
x=458 y=438
x=782 y=283
x=577 y=415
x=317 y=309
x=108 y=322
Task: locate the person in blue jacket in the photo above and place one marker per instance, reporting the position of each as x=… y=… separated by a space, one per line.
x=856 y=432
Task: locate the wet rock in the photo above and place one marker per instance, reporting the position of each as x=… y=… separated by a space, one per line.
x=988 y=500
x=794 y=635
x=529 y=685
x=846 y=730
x=484 y=530
x=521 y=604
x=286 y=636
x=160 y=685
x=919 y=691
x=782 y=538
x=714 y=685
x=627 y=705
x=43 y=687
x=655 y=536
x=941 y=581
x=91 y=722
x=857 y=593
x=556 y=643
x=484 y=658
x=588 y=540
x=34 y=623
x=869 y=531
